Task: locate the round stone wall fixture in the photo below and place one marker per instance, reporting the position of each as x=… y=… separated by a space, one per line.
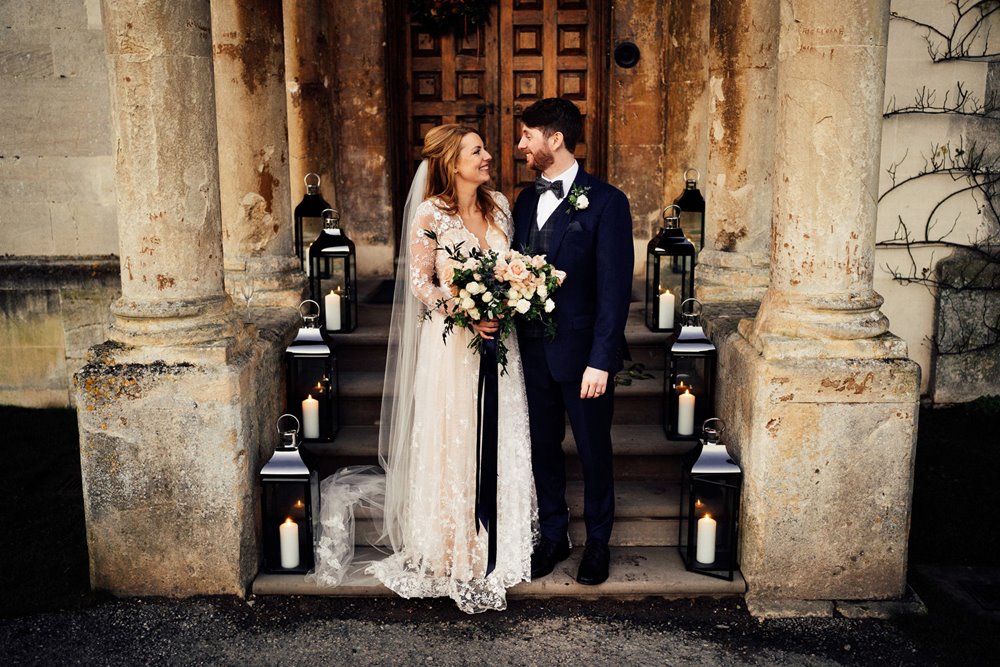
x=626 y=55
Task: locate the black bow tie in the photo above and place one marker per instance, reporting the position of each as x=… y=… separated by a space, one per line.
x=541 y=185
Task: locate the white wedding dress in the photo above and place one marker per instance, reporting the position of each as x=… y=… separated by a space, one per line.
x=442 y=554
x=430 y=483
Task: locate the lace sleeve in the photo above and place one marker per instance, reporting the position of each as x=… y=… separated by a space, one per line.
x=504 y=219
x=423 y=279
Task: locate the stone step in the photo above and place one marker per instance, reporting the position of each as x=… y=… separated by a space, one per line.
x=641 y=452
x=361 y=399
x=646 y=514
x=364 y=349
x=636 y=572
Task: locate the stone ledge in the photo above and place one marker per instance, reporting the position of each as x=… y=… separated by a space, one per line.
x=636 y=572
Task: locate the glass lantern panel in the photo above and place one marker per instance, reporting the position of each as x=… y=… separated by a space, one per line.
x=312 y=395
x=692 y=224
x=332 y=285
x=688 y=395
x=287 y=524
x=712 y=527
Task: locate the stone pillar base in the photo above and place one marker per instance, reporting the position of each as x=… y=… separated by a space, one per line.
x=825 y=432
x=273 y=282
x=730 y=276
x=169 y=451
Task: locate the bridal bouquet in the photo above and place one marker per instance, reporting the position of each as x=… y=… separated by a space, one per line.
x=498 y=286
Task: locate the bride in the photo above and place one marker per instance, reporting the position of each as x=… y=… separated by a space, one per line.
x=428 y=433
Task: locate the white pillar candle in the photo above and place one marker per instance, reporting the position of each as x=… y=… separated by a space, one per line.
x=332 y=306
x=289 y=533
x=705 y=553
x=666 y=320
x=685 y=413
x=310 y=418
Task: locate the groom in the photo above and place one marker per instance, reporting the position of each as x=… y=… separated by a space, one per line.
x=584 y=227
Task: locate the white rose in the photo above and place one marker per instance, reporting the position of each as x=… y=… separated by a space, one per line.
x=474 y=314
x=513 y=294
x=550 y=305
x=464 y=294
x=468 y=304
x=476 y=276
x=470 y=264
x=528 y=291
x=582 y=202
x=522 y=306
x=487 y=297
x=543 y=291
x=474 y=288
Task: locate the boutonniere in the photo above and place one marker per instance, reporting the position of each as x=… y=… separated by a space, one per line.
x=578 y=198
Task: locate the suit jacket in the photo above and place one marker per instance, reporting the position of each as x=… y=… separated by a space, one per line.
x=594 y=247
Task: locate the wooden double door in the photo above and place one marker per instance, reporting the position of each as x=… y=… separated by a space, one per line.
x=531 y=49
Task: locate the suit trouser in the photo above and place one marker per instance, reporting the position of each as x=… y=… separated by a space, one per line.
x=549 y=401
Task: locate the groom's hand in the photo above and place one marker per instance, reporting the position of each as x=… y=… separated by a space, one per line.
x=594 y=384
x=486 y=328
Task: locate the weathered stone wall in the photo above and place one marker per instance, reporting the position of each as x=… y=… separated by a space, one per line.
x=911 y=143
x=56 y=165
x=51 y=313
x=361 y=132
x=687 y=92
x=637 y=121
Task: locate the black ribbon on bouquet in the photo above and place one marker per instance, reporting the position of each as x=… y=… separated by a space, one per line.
x=487 y=421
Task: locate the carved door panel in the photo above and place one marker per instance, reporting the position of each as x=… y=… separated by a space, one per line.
x=451 y=80
x=551 y=48
x=531 y=49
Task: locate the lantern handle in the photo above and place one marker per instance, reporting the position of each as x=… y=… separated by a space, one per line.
x=714 y=431
x=289 y=438
x=309 y=318
x=334 y=214
x=696 y=312
x=697 y=174
x=291 y=416
x=667 y=218
x=306 y=179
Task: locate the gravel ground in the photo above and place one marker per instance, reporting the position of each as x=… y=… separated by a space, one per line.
x=306 y=631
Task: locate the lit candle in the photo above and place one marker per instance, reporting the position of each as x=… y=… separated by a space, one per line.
x=310 y=417
x=666 y=310
x=706 y=540
x=685 y=413
x=289 y=532
x=332 y=305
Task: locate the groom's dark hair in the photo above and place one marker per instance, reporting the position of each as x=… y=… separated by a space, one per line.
x=555 y=114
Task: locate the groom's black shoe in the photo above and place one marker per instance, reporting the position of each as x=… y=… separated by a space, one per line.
x=546 y=554
x=594 y=564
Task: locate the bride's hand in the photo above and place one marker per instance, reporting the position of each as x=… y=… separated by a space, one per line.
x=486 y=328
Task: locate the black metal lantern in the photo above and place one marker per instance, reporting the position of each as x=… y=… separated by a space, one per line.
x=333 y=280
x=689 y=383
x=312 y=385
x=710 y=508
x=308 y=218
x=669 y=273
x=692 y=205
x=289 y=507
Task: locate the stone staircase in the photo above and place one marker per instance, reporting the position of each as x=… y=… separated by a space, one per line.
x=645 y=560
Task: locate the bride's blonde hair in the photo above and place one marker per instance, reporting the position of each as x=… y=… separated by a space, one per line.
x=441 y=148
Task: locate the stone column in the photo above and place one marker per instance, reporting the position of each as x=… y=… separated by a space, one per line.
x=253 y=148
x=172 y=410
x=822 y=400
x=166 y=176
x=742 y=58
x=308 y=82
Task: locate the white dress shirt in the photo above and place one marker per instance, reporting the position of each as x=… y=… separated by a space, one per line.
x=548 y=202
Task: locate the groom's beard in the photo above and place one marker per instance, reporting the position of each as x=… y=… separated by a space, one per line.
x=542 y=160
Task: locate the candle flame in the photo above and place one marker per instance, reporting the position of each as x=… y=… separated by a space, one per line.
x=289 y=520
x=707 y=516
x=299 y=504
x=687 y=390
x=309 y=396
x=698 y=503
x=664 y=290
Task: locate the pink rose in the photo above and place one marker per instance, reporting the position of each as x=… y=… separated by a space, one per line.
x=538 y=261
x=517 y=270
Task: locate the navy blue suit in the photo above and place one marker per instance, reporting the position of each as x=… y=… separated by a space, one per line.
x=594 y=247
